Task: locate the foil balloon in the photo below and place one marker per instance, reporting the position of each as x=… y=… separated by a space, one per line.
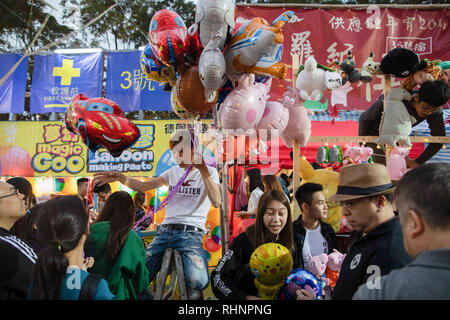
x=211 y=67
x=270 y=263
x=243 y=108
x=188 y=92
x=274 y=120
x=100 y=123
x=155 y=70
x=257 y=42
x=299 y=124
x=301 y=279
x=212 y=16
x=168 y=37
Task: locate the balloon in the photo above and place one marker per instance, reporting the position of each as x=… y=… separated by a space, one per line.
x=213 y=16
x=188 y=92
x=100 y=123
x=257 y=42
x=243 y=108
x=7 y=138
x=155 y=70
x=211 y=67
x=16 y=162
x=301 y=279
x=270 y=263
x=299 y=125
x=275 y=117
x=168 y=37
x=396 y=163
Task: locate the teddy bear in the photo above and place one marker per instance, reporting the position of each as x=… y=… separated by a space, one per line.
x=396 y=122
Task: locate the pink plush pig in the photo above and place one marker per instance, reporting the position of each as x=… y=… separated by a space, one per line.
x=396 y=163
x=274 y=120
x=299 y=125
x=317 y=265
x=366 y=154
x=334 y=265
x=354 y=153
x=244 y=106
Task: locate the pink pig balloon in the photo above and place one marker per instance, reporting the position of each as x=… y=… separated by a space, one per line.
x=396 y=163
x=299 y=125
x=244 y=106
x=274 y=120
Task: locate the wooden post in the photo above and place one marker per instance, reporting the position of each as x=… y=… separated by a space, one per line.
x=387 y=88
x=296 y=150
x=224 y=228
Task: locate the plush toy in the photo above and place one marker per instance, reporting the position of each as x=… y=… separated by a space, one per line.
x=401 y=62
x=317 y=265
x=333 y=80
x=329 y=180
x=396 y=163
x=211 y=67
x=396 y=122
x=336 y=154
x=366 y=154
x=352 y=155
x=334 y=265
x=299 y=124
x=431 y=72
x=445 y=66
x=348 y=67
x=270 y=263
x=310 y=81
x=244 y=106
x=322 y=154
x=369 y=68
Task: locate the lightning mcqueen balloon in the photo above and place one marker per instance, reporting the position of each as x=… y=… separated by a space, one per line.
x=100 y=123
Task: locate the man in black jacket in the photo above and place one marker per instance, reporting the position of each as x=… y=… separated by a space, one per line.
x=17 y=258
x=365 y=194
x=425 y=105
x=311 y=234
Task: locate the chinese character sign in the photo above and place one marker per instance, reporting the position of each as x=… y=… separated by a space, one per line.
x=12 y=92
x=130 y=87
x=327 y=35
x=58 y=78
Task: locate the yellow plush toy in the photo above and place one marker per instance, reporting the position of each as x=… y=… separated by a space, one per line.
x=329 y=180
x=270 y=263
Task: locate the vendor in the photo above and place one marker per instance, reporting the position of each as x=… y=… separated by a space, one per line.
x=425 y=105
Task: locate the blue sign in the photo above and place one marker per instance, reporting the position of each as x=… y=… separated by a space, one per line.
x=12 y=92
x=128 y=86
x=57 y=78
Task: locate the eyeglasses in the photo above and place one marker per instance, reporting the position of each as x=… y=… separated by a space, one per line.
x=347 y=204
x=14 y=193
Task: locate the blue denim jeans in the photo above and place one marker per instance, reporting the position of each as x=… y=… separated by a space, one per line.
x=189 y=244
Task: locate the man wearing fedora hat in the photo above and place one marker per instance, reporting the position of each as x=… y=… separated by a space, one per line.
x=425 y=218
x=365 y=194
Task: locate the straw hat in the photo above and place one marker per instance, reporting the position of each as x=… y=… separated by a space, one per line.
x=362 y=180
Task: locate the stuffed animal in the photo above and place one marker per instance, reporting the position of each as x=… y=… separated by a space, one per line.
x=322 y=154
x=310 y=81
x=335 y=154
x=366 y=154
x=445 y=66
x=396 y=122
x=333 y=268
x=401 y=62
x=317 y=265
x=348 y=67
x=396 y=163
x=431 y=72
x=369 y=68
x=333 y=80
x=354 y=153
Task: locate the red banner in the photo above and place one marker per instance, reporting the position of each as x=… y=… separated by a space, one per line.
x=327 y=35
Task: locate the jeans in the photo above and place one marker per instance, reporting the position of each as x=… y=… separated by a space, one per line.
x=189 y=244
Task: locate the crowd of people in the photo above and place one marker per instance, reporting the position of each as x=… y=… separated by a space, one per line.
x=55 y=250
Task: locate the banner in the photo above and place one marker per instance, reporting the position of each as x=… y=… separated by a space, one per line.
x=127 y=85
x=12 y=92
x=58 y=78
x=327 y=35
x=48 y=149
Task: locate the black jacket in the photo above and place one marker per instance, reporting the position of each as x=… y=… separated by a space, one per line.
x=369 y=125
x=17 y=261
x=300 y=233
x=232 y=278
x=380 y=249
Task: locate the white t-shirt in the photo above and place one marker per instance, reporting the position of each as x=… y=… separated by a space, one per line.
x=254 y=198
x=314 y=244
x=190 y=205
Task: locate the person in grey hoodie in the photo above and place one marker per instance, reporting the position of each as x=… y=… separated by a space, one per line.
x=423 y=201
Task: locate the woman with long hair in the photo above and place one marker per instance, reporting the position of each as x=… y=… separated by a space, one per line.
x=58 y=273
x=232 y=278
x=139 y=203
x=256 y=189
x=118 y=251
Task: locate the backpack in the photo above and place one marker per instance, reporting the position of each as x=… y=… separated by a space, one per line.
x=89 y=287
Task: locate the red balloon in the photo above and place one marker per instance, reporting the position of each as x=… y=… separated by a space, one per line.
x=168 y=37
x=100 y=123
x=16 y=162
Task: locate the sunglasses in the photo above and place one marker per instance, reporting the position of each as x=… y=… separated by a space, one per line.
x=14 y=193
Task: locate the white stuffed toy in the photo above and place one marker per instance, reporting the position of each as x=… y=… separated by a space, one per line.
x=396 y=122
x=310 y=81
